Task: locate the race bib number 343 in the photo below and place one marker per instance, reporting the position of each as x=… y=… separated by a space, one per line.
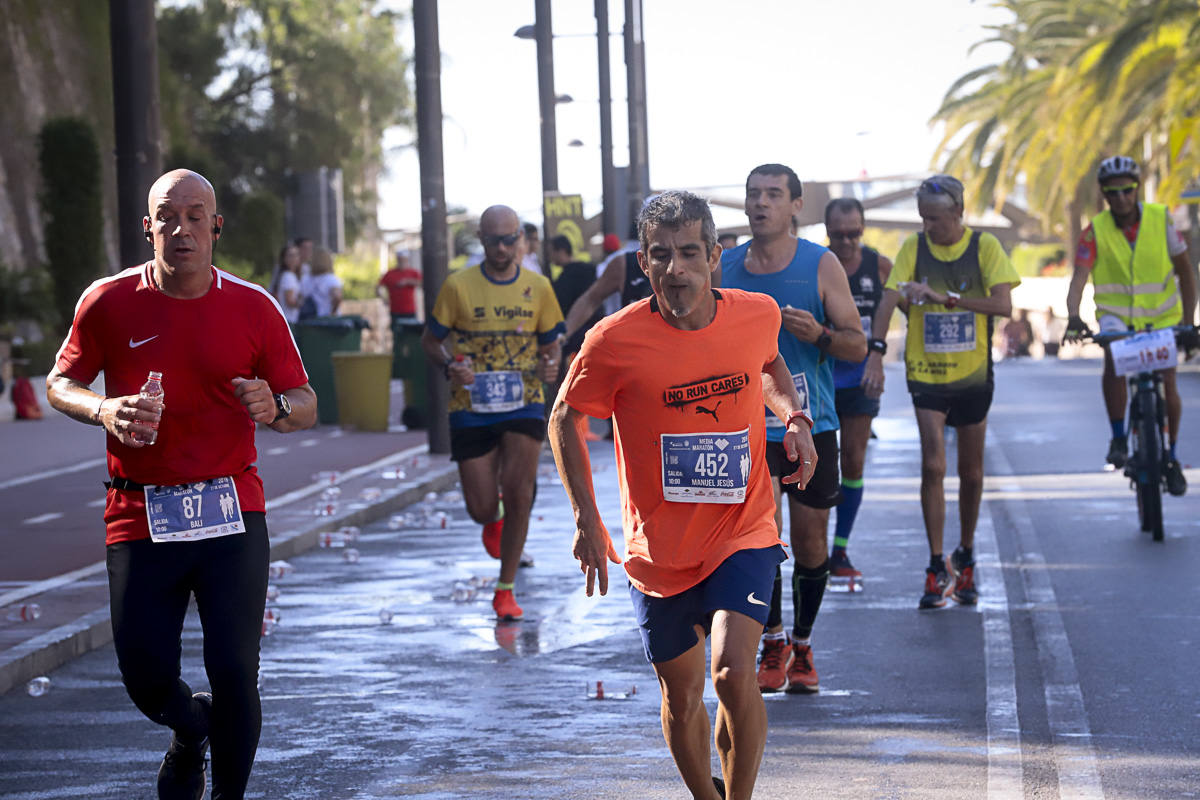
x=192 y=511
x=705 y=467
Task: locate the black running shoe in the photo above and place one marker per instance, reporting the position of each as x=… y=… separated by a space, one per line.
x=938 y=584
x=964 y=592
x=1176 y=483
x=1117 y=452
x=183 y=773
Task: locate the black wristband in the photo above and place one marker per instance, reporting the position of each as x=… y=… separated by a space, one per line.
x=824 y=340
x=446 y=369
x=877 y=346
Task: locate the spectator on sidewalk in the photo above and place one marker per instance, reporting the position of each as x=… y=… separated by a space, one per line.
x=399 y=287
x=286 y=286
x=228 y=361
x=323 y=287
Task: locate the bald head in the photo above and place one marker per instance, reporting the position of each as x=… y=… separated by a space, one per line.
x=183 y=179
x=499 y=219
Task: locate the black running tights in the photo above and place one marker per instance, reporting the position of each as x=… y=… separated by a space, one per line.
x=149 y=585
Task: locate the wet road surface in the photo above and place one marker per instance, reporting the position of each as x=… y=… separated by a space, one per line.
x=1073 y=677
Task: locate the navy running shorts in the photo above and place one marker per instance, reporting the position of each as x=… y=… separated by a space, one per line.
x=743 y=583
x=824 y=489
x=479 y=440
x=854 y=402
x=962 y=408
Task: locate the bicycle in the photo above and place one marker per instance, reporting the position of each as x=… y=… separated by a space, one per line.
x=1141 y=355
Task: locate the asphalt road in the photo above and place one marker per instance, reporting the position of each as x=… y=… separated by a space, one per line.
x=1073 y=678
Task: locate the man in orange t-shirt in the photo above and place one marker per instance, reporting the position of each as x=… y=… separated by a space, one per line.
x=684 y=375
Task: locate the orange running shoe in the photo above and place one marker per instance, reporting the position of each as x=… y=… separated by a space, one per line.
x=491 y=537
x=802 y=678
x=773 y=666
x=506 y=605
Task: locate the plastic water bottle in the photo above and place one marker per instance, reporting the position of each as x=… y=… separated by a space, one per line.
x=330 y=539
x=272 y=592
x=278 y=569
x=38 y=686
x=152 y=389
x=26 y=612
x=385 y=616
x=350 y=533
x=350 y=555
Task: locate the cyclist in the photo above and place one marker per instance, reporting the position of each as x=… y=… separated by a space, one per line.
x=1131 y=250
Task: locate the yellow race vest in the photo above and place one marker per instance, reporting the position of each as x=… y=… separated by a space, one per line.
x=1136 y=284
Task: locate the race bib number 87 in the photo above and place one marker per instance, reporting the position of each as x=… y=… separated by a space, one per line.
x=705 y=467
x=191 y=511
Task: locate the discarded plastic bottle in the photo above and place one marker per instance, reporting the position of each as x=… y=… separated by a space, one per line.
x=38 y=686
x=26 y=612
x=396 y=521
x=270 y=621
x=272 y=592
x=326 y=476
x=330 y=539
x=152 y=389
x=600 y=694
x=278 y=569
x=349 y=533
x=385 y=616
x=331 y=494
x=462 y=593
x=350 y=555
x=371 y=494
x=393 y=474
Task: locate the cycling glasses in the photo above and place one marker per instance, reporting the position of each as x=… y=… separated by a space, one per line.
x=848 y=236
x=508 y=240
x=1117 y=191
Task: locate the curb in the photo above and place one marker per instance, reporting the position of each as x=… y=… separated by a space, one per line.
x=53 y=648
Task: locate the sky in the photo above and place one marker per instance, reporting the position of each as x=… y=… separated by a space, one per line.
x=831 y=89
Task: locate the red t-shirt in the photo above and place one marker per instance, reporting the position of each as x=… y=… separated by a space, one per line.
x=125 y=327
x=658 y=381
x=403 y=298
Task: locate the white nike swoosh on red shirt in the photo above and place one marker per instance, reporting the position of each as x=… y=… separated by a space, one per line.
x=133 y=344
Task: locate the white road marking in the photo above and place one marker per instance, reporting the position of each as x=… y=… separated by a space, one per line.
x=38 y=520
x=309 y=443
x=98 y=503
x=1074 y=754
x=1004 y=773
x=51 y=473
x=275 y=451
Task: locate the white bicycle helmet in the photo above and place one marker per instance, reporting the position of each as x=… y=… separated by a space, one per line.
x=1114 y=166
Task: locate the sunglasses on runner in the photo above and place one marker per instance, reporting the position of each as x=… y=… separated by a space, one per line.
x=1117 y=191
x=508 y=240
x=848 y=236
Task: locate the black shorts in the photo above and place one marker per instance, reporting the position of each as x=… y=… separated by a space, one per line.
x=479 y=440
x=824 y=490
x=962 y=408
x=854 y=402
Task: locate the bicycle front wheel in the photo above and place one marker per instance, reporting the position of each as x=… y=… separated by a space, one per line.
x=1149 y=465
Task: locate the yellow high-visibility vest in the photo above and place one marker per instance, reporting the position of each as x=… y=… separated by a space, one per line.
x=1136 y=284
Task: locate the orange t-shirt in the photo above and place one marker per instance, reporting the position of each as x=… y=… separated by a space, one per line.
x=688 y=424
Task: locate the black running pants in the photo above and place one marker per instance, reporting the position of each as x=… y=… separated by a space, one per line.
x=149 y=585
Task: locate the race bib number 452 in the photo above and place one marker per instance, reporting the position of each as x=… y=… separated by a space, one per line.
x=191 y=511
x=705 y=467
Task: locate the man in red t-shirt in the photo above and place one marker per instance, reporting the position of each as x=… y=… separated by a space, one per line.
x=685 y=374
x=185 y=512
x=401 y=282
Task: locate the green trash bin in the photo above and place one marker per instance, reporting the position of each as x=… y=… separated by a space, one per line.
x=317 y=339
x=410 y=365
x=363 y=392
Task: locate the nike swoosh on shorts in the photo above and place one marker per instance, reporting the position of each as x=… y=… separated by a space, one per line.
x=750 y=598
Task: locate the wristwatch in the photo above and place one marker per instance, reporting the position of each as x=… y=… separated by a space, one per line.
x=283 y=408
x=877 y=346
x=952 y=299
x=825 y=339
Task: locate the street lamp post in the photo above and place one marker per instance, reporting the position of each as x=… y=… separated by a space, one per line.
x=608 y=181
x=546 y=97
x=635 y=73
